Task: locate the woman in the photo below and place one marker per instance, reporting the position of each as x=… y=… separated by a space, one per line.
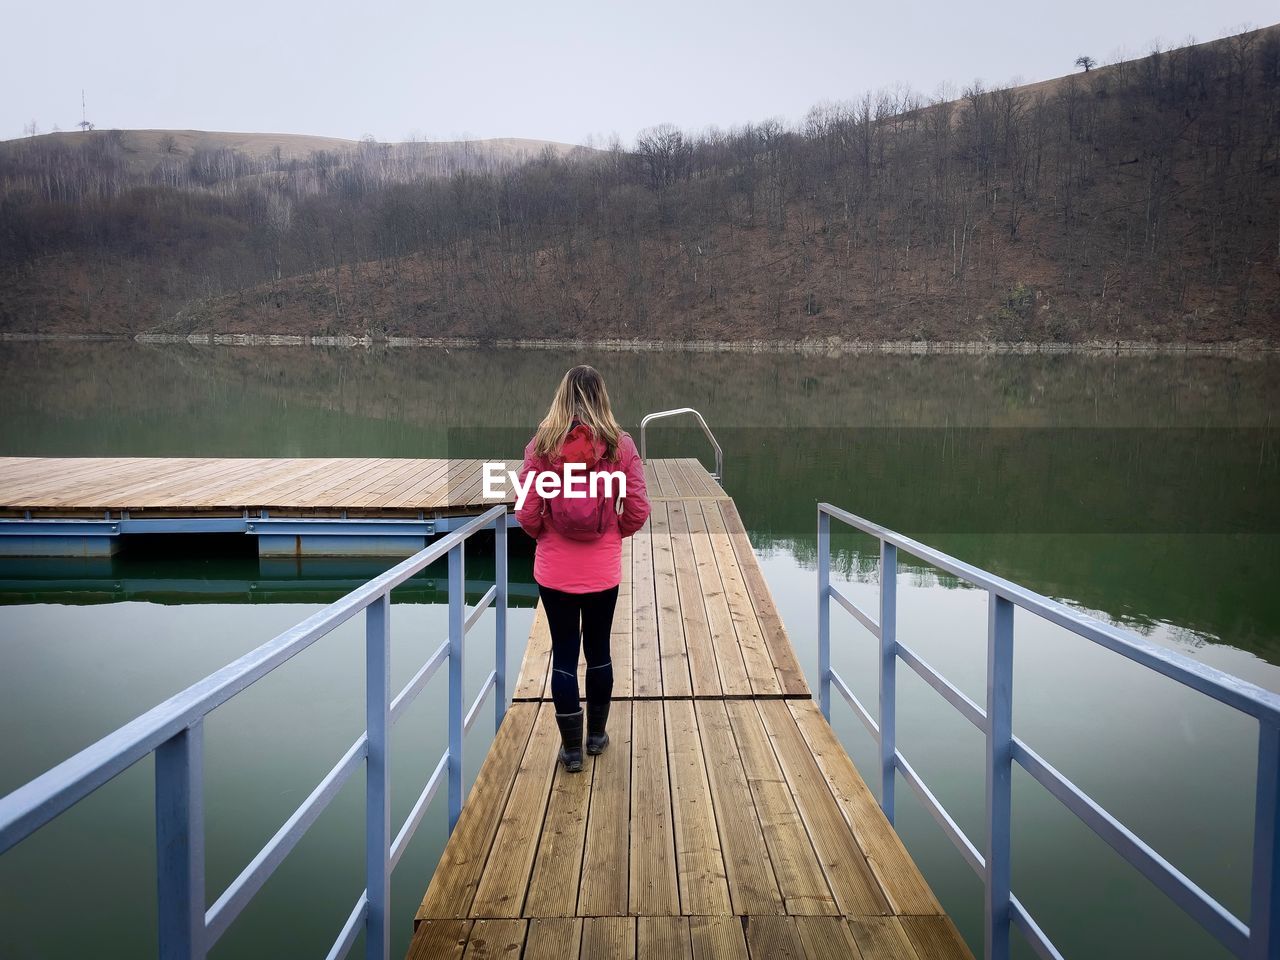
x=578 y=564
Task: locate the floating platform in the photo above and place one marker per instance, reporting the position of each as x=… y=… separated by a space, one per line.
x=82 y=506
x=725 y=820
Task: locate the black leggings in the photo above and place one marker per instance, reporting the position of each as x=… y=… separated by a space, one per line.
x=586 y=619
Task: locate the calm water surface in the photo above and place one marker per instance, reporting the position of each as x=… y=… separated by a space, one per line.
x=1139 y=489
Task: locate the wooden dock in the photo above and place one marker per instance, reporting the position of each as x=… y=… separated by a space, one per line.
x=725 y=820
x=382 y=488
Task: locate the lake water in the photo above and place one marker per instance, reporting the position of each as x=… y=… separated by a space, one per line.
x=1142 y=489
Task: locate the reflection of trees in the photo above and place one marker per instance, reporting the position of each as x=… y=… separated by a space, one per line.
x=434 y=388
x=1198 y=586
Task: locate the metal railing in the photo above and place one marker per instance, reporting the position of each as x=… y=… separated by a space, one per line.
x=174 y=731
x=662 y=414
x=1259 y=939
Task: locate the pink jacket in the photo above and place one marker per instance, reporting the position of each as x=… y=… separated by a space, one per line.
x=581 y=566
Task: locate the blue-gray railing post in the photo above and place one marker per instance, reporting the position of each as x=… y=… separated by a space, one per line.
x=180 y=844
x=378 y=779
x=888 y=672
x=1258 y=940
x=1264 y=907
x=824 y=614
x=500 y=621
x=173 y=732
x=457 y=630
x=999 y=774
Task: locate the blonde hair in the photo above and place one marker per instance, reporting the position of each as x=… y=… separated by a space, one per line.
x=581 y=396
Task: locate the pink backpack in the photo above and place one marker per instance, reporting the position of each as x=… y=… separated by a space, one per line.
x=580 y=518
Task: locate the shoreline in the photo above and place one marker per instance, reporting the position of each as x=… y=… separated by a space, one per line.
x=831 y=346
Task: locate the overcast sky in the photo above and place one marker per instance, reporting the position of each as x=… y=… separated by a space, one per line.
x=550 y=69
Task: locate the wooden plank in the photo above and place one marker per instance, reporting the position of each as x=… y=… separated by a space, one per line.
x=724 y=638
x=314 y=489
x=795 y=863
x=250 y=490
x=774 y=938
x=672 y=655
x=704 y=887
x=650 y=479
x=620 y=648
x=613 y=938
x=827 y=938
x=677 y=479
x=22 y=483
x=423 y=492
x=22 y=480
x=263 y=489
x=465 y=477
x=201 y=482
x=752 y=886
x=646 y=670
x=439 y=940
x=883 y=938
x=468 y=490
x=127 y=496
x=662 y=476
x=755 y=654
x=457 y=875
x=703 y=670
x=553 y=938
x=620 y=637
x=605 y=861
x=688 y=483
x=421 y=471
x=97 y=480
x=437 y=494
x=506 y=875
x=848 y=874
x=537 y=659
x=790 y=676
x=268 y=474
x=557 y=866
x=702 y=478
x=652 y=863
x=494 y=939
x=936 y=938
x=663 y=937
x=344 y=492
x=403 y=474
x=717 y=938
x=467 y=487
x=899 y=877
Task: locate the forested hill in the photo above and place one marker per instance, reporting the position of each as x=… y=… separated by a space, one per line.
x=1139 y=200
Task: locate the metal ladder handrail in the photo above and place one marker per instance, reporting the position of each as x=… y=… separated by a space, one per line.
x=719 y=473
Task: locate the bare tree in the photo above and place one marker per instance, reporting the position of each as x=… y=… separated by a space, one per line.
x=1087 y=62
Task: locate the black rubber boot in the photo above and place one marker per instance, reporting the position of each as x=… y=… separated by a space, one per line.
x=597 y=718
x=571 y=741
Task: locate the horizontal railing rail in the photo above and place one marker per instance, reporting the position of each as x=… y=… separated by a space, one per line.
x=174 y=731
x=662 y=415
x=1258 y=939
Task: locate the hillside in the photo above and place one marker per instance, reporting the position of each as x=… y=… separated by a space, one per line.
x=1140 y=200
x=143 y=151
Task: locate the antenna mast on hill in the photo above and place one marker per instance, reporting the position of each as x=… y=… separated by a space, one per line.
x=84 y=123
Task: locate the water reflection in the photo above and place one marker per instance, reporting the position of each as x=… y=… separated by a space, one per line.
x=1138 y=488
